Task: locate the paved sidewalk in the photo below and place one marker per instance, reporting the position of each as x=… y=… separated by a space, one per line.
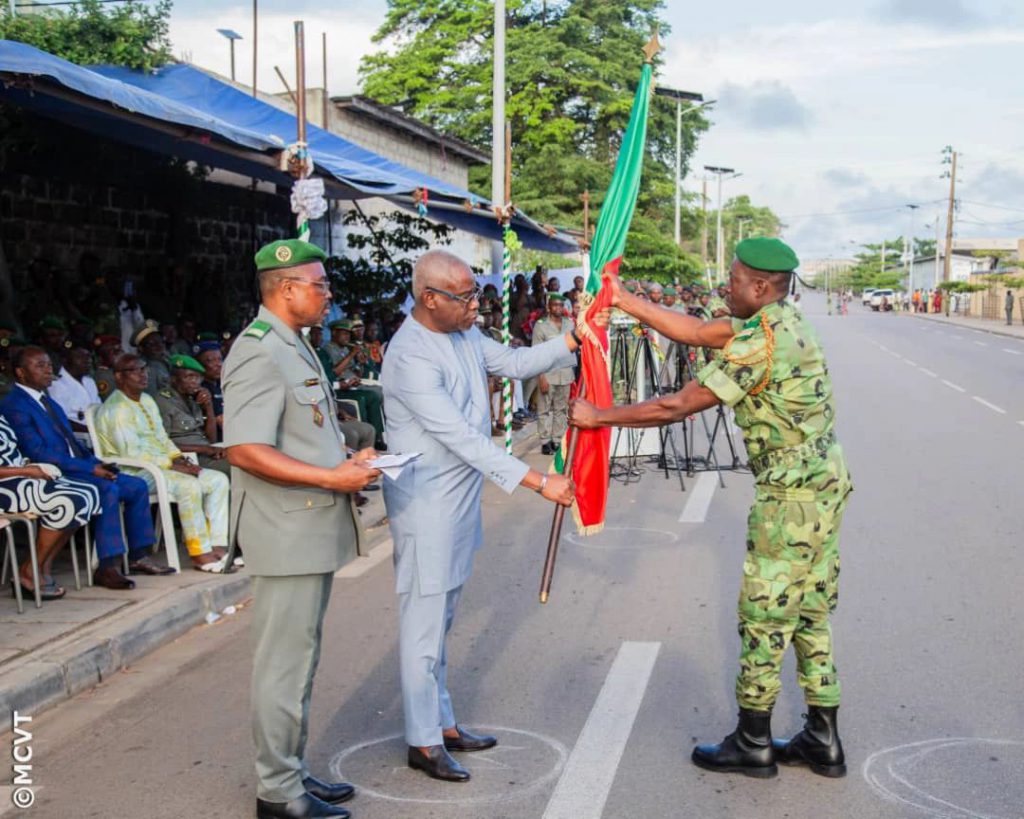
x=997 y=327
x=51 y=654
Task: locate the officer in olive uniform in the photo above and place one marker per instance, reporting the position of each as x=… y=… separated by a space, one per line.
x=108 y=349
x=187 y=412
x=772 y=371
x=150 y=344
x=291 y=511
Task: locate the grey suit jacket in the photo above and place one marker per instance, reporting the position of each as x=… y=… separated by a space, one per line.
x=276 y=393
x=437 y=403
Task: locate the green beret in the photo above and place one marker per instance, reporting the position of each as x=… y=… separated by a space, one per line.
x=340 y=324
x=207 y=335
x=556 y=297
x=13 y=341
x=670 y=291
x=288 y=253
x=52 y=323
x=186 y=362
x=630 y=287
x=9 y=326
x=768 y=254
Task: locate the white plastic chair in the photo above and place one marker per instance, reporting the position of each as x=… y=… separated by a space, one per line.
x=162 y=496
x=11 y=557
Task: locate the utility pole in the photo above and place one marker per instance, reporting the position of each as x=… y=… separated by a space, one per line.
x=719 y=243
x=326 y=100
x=255 y=12
x=950 y=157
x=908 y=251
x=704 y=223
x=498 y=126
x=881 y=267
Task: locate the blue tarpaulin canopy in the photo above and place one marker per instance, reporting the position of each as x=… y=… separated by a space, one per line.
x=182 y=111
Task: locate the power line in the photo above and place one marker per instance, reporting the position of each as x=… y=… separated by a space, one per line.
x=996 y=207
x=847 y=212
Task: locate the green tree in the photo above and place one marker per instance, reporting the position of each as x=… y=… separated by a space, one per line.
x=383 y=267
x=571 y=72
x=133 y=33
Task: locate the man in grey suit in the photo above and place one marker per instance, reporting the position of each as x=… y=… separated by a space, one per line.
x=436 y=397
x=291 y=510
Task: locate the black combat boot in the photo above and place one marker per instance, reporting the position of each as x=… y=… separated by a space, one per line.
x=747 y=750
x=817 y=746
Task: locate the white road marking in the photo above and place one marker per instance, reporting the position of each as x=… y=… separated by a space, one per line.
x=985 y=403
x=696 y=508
x=951 y=385
x=883 y=347
x=1021 y=423
x=361 y=565
x=911 y=363
x=928 y=372
x=1011 y=352
x=955 y=335
x=583 y=788
x=981 y=343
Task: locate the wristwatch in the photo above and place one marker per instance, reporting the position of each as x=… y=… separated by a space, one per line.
x=576 y=338
x=543 y=483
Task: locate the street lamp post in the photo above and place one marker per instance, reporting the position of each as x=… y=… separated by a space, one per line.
x=908 y=251
x=679 y=97
x=719 y=250
x=231 y=36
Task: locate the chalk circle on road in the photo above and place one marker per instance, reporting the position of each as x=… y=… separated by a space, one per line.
x=522 y=763
x=624 y=537
x=952 y=777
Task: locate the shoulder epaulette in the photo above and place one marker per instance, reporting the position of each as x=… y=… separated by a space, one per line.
x=257 y=329
x=166 y=393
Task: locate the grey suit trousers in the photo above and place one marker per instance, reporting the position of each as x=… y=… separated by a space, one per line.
x=288 y=615
x=425 y=623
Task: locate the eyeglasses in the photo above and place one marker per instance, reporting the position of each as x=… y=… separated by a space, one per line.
x=323 y=286
x=466 y=299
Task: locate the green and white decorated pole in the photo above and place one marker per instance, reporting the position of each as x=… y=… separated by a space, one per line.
x=511 y=243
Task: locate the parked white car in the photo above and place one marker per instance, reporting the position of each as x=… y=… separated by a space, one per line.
x=865 y=296
x=878 y=295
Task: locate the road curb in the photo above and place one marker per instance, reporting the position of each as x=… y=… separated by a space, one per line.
x=958 y=325
x=62 y=669
x=76 y=662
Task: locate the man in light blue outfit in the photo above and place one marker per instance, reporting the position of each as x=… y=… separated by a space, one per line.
x=437 y=403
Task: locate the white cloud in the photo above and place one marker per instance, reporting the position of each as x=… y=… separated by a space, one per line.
x=348 y=39
x=764 y=106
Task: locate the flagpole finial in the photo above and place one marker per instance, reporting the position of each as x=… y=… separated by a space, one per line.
x=652 y=47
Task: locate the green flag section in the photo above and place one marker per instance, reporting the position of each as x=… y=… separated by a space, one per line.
x=620 y=201
x=590 y=456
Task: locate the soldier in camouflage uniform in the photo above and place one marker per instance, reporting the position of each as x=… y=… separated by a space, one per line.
x=772 y=372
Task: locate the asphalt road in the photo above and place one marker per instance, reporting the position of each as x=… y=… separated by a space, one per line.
x=599 y=696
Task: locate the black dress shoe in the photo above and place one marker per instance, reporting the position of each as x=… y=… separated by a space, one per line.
x=333 y=792
x=438 y=764
x=302 y=807
x=466 y=741
x=545 y=448
x=747 y=750
x=146 y=566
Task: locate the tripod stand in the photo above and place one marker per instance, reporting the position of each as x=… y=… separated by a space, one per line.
x=626 y=363
x=686 y=358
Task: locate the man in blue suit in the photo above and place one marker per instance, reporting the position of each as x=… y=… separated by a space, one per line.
x=437 y=403
x=44 y=435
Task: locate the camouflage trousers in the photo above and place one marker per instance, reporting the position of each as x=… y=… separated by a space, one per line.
x=790 y=587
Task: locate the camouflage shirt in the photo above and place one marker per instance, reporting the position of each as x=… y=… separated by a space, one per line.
x=788 y=427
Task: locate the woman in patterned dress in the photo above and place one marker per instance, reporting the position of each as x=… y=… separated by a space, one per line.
x=63 y=506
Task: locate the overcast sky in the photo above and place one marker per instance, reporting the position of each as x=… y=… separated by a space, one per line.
x=836 y=119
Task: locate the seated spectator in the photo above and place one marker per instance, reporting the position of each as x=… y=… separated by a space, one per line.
x=45 y=436
x=108 y=350
x=74 y=389
x=150 y=344
x=52 y=335
x=185 y=338
x=316 y=341
x=186 y=410
x=129 y=425
x=346 y=367
x=212 y=359
x=63 y=507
